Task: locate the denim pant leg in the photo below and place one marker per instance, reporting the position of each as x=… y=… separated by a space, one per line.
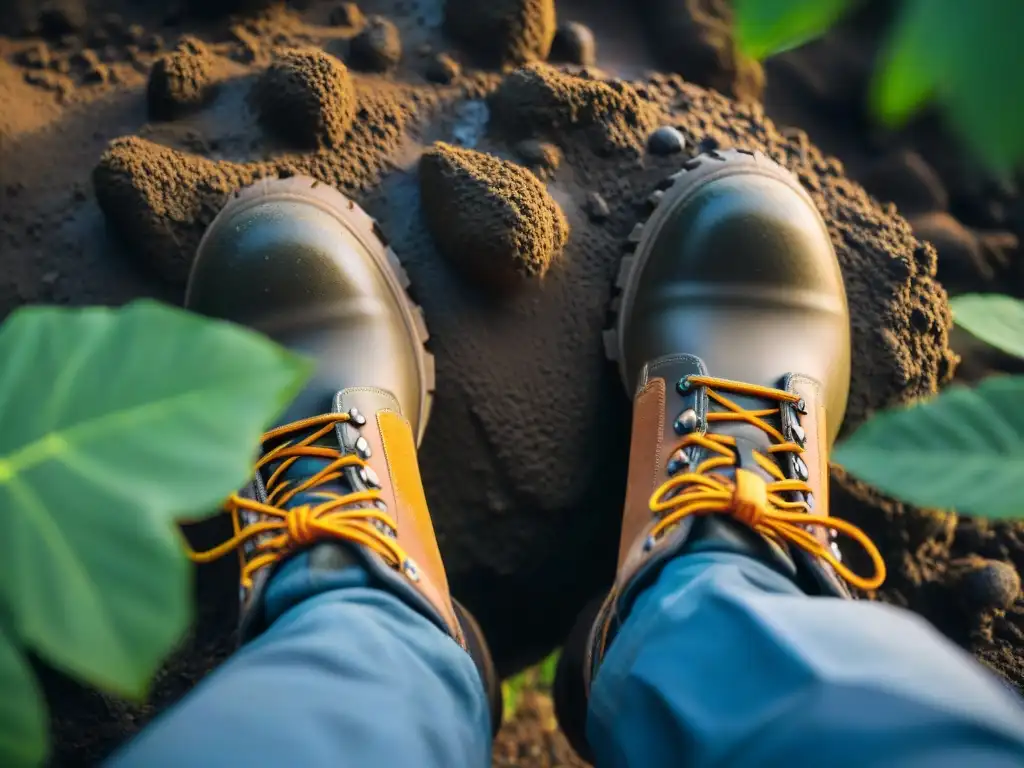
x=722 y=661
x=345 y=675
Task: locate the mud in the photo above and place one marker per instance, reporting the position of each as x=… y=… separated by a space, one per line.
x=524 y=461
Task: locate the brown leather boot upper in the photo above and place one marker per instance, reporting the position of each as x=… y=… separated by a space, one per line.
x=733 y=333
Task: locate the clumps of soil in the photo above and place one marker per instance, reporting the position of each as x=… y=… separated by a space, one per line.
x=377 y=48
x=151 y=194
x=502 y=32
x=493 y=219
x=540 y=99
x=180 y=81
x=984 y=585
x=695 y=39
x=306 y=97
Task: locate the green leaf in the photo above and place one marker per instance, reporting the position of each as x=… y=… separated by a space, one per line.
x=22 y=711
x=116 y=424
x=968 y=56
x=908 y=75
x=766 y=27
x=963 y=450
x=995 y=319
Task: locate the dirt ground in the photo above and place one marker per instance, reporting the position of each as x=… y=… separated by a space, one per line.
x=126 y=124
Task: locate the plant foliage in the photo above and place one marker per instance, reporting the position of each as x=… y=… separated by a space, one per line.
x=963 y=450
x=995 y=319
x=117 y=424
x=966 y=56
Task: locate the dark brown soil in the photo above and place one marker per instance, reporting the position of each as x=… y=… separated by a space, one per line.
x=524 y=461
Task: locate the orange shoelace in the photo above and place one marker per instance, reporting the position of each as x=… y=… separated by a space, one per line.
x=749 y=498
x=289 y=529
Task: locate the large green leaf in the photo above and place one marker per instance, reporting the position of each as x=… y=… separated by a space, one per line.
x=968 y=55
x=22 y=712
x=767 y=27
x=115 y=424
x=995 y=319
x=963 y=450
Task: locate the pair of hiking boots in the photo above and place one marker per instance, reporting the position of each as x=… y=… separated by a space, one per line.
x=732 y=335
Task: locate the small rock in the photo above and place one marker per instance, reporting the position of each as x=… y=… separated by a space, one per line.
x=666 y=140
x=443 y=69
x=574 y=43
x=596 y=208
x=501 y=32
x=708 y=144
x=37 y=57
x=985 y=584
x=542 y=157
x=378 y=47
x=904 y=178
x=346 y=15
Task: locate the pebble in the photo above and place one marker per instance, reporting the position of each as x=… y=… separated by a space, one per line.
x=442 y=68
x=986 y=584
x=666 y=141
x=539 y=155
x=596 y=208
x=574 y=43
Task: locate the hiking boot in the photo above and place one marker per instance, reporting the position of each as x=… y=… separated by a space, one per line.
x=298 y=261
x=733 y=334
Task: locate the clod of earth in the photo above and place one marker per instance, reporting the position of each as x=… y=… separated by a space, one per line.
x=985 y=585
x=492 y=219
x=306 y=97
x=179 y=81
x=501 y=32
x=541 y=99
x=695 y=39
x=378 y=47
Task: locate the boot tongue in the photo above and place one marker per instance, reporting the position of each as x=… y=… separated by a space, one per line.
x=305 y=467
x=749 y=438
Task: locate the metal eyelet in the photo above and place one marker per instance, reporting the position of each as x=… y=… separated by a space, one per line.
x=363 y=448
x=410 y=570
x=801 y=407
x=678 y=462
x=800 y=468
x=649 y=543
x=686 y=422
x=683 y=385
x=799 y=435
x=368 y=477
x=810 y=500
x=356 y=417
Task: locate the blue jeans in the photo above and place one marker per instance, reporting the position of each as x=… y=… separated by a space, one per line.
x=721 y=662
